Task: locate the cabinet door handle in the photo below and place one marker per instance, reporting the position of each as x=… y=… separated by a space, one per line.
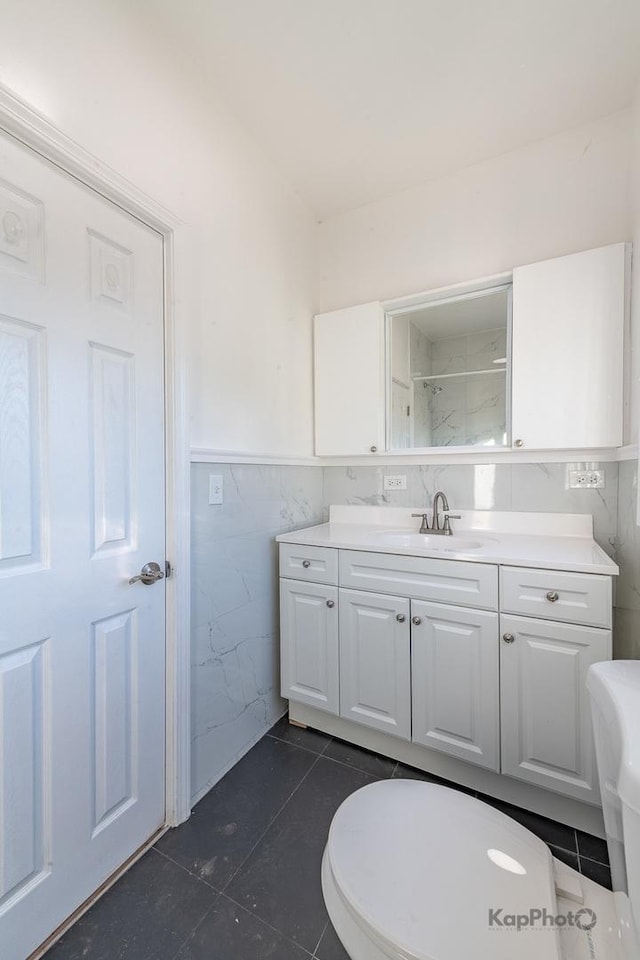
x=552 y=596
x=373 y=448
x=508 y=637
x=400 y=617
x=416 y=621
x=331 y=603
x=518 y=443
x=306 y=563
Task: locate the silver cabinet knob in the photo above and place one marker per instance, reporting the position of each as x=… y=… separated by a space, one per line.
x=416 y=621
x=331 y=603
x=552 y=596
x=508 y=637
x=306 y=563
x=400 y=617
x=518 y=443
x=149 y=574
x=373 y=448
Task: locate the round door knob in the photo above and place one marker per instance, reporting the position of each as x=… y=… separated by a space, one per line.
x=552 y=596
x=508 y=637
x=416 y=621
x=519 y=443
x=400 y=617
x=331 y=603
x=306 y=563
x=373 y=448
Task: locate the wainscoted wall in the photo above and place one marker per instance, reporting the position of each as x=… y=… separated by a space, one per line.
x=235 y=672
x=235 y=584
x=627 y=625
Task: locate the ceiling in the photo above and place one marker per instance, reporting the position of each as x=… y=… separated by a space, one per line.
x=358 y=99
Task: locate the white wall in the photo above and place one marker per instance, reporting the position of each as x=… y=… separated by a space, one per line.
x=634 y=418
x=124 y=94
x=567 y=193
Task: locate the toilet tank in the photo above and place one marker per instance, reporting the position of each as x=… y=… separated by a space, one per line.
x=614 y=687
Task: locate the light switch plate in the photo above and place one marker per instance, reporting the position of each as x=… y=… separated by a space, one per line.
x=395 y=483
x=216 y=490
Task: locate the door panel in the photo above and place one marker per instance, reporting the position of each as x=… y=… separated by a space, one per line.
x=455 y=682
x=546 y=720
x=309 y=644
x=82 y=662
x=375 y=684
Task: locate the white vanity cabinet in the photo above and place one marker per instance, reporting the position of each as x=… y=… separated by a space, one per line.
x=309 y=635
x=455 y=681
x=546 y=722
x=375 y=661
x=481 y=662
x=567 y=350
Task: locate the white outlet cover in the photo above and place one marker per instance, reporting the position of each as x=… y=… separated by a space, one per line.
x=586 y=479
x=216 y=489
x=395 y=483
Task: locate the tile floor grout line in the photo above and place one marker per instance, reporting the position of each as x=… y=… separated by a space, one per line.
x=297 y=745
x=195 y=876
x=268 y=826
x=241 y=906
x=197 y=927
x=324 y=930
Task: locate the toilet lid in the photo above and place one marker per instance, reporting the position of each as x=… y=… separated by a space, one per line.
x=420 y=867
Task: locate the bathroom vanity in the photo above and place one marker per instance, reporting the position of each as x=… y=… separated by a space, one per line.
x=462 y=655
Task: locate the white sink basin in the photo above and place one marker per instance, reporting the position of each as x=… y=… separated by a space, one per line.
x=426 y=541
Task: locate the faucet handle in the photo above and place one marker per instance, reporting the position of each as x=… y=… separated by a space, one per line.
x=448 y=517
x=424 y=526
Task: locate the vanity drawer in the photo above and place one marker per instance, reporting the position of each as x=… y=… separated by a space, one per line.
x=421 y=578
x=319 y=564
x=582 y=598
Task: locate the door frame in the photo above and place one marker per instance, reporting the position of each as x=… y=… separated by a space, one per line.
x=35 y=131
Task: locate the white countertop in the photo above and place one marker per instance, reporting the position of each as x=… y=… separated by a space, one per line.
x=548 y=541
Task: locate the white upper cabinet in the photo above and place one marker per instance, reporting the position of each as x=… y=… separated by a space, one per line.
x=567 y=351
x=349 y=381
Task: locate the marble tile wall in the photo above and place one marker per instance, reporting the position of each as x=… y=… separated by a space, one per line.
x=540 y=487
x=467 y=410
x=234 y=650
x=627 y=624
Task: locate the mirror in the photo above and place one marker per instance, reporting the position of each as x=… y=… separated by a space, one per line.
x=449 y=370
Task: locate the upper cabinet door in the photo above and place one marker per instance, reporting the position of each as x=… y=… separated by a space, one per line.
x=349 y=381
x=568 y=328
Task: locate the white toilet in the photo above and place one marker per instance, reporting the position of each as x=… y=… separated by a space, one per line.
x=416 y=871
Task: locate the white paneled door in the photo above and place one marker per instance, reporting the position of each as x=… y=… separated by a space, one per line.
x=82 y=661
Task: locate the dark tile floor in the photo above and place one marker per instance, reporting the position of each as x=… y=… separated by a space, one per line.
x=240 y=880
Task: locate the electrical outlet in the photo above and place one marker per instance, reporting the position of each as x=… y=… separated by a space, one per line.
x=586 y=479
x=215 y=488
x=395 y=483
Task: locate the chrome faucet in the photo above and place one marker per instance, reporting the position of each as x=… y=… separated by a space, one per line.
x=435 y=528
x=444 y=530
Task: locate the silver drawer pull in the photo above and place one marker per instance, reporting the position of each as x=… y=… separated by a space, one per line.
x=331 y=603
x=400 y=617
x=552 y=596
x=306 y=563
x=508 y=637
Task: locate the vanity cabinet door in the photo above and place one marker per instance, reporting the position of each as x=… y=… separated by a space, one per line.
x=567 y=350
x=375 y=682
x=349 y=381
x=546 y=720
x=309 y=644
x=454 y=653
